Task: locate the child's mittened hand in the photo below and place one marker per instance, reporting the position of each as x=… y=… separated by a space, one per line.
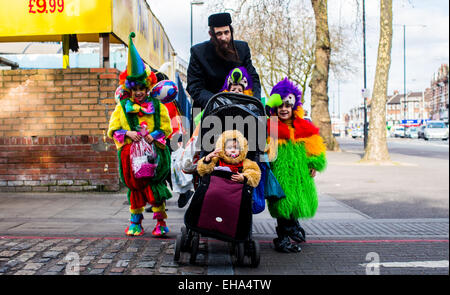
x=212 y=155
x=238 y=177
x=135 y=136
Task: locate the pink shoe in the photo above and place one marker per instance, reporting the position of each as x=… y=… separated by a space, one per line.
x=160 y=229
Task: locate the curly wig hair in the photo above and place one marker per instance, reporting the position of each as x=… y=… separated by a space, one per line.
x=284 y=88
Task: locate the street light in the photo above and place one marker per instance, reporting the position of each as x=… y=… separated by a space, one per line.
x=404 y=67
x=192 y=4
x=365 y=79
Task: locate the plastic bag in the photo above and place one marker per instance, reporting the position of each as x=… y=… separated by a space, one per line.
x=181 y=181
x=259 y=202
x=272 y=189
x=191 y=155
x=144 y=159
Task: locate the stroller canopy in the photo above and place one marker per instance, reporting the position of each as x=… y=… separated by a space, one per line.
x=233 y=111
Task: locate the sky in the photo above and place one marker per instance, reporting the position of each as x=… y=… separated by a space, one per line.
x=426 y=39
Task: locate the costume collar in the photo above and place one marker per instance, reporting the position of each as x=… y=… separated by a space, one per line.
x=300 y=128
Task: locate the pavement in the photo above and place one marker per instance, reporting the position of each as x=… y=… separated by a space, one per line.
x=83 y=233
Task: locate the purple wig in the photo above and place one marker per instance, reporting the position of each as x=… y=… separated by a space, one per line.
x=284 y=88
x=245 y=74
x=132 y=84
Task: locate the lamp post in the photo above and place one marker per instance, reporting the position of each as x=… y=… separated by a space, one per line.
x=365 y=76
x=404 y=79
x=404 y=68
x=192 y=4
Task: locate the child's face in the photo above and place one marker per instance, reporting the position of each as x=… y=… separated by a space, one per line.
x=232 y=149
x=139 y=93
x=285 y=111
x=236 y=89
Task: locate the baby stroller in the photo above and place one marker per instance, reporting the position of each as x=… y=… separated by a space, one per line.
x=221 y=208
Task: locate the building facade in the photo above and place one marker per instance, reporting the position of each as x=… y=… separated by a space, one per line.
x=437 y=94
x=409 y=109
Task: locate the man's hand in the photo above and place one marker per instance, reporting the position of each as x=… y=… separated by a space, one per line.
x=312 y=172
x=238 y=177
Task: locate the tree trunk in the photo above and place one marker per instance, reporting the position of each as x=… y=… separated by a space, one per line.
x=376 y=149
x=320 y=114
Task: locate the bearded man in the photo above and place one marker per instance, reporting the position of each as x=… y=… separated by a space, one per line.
x=212 y=60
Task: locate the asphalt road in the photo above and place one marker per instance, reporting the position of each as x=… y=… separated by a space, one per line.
x=412 y=147
x=415 y=185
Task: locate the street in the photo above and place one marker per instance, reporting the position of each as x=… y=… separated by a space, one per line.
x=372 y=219
x=406 y=146
x=416 y=185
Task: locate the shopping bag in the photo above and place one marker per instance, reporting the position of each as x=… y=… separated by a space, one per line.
x=259 y=203
x=272 y=189
x=181 y=181
x=191 y=154
x=144 y=159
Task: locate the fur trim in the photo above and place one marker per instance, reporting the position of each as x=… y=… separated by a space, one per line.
x=302 y=129
x=149 y=80
x=252 y=172
x=292 y=171
x=203 y=168
x=299 y=112
x=137 y=211
x=319 y=163
x=243 y=145
x=314 y=145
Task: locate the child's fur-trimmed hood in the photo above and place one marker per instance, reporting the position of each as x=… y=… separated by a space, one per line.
x=243 y=146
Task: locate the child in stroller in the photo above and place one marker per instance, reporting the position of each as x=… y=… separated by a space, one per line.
x=230 y=155
x=221 y=207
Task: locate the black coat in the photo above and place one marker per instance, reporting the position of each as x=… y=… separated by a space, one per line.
x=207 y=71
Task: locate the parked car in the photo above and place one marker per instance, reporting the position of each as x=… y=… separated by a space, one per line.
x=357 y=132
x=435 y=130
x=420 y=131
x=412 y=132
x=399 y=131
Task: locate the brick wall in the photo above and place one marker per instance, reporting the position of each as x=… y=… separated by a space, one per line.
x=52 y=130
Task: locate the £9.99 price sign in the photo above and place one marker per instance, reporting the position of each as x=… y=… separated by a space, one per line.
x=46 y=6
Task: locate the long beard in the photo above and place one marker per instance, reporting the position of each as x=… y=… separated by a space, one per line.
x=225 y=50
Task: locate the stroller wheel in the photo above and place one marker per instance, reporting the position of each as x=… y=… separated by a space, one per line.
x=255 y=253
x=178 y=243
x=240 y=253
x=194 y=248
x=184 y=240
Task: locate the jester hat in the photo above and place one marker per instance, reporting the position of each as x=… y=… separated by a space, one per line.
x=136 y=73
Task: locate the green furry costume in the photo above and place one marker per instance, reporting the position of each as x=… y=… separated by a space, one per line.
x=300 y=148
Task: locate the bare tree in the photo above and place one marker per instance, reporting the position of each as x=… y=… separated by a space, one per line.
x=320 y=114
x=281 y=35
x=376 y=149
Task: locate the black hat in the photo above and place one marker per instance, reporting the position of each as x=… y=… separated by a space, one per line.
x=219 y=19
